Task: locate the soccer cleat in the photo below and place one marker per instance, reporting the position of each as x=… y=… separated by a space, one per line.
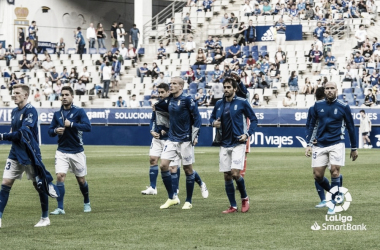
x=149 y=191
x=365 y=146
x=43 y=222
x=331 y=211
x=170 y=202
x=176 y=198
x=321 y=204
x=230 y=210
x=244 y=205
x=187 y=205
x=204 y=190
x=58 y=211
x=369 y=146
x=87 y=207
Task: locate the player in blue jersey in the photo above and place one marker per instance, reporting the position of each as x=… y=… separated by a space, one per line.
x=185 y=122
x=24 y=122
x=331 y=118
x=159 y=128
x=229 y=115
x=319 y=95
x=69 y=123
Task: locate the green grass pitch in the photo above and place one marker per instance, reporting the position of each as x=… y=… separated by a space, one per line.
x=279 y=183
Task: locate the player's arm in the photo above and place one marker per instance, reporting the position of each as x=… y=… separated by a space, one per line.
x=215 y=121
x=30 y=118
x=153 y=126
x=311 y=131
x=197 y=120
x=248 y=111
x=350 y=125
x=52 y=131
x=83 y=124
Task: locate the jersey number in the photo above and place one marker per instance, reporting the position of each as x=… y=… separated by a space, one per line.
x=165 y=147
x=8 y=166
x=315 y=155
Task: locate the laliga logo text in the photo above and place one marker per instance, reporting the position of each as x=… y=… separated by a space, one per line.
x=341 y=202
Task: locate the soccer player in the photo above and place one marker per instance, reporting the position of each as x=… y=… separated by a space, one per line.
x=229 y=115
x=69 y=123
x=332 y=117
x=185 y=122
x=319 y=95
x=24 y=138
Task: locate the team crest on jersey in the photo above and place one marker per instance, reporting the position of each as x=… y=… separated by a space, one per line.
x=235 y=108
x=71 y=116
x=322 y=111
x=335 y=111
x=21 y=116
x=29 y=118
x=179 y=102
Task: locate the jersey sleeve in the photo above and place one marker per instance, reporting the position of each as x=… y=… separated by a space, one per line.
x=152 y=124
x=84 y=124
x=53 y=125
x=311 y=129
x=196 y=117
x=350 y=125
x=30 y=119
x=248 y=111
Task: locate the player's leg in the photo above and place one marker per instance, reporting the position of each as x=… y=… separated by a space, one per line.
x=79 y=168
x=6 y=186
x=155 y=151
x=225 y=167
x=199 y=181
x=186 y=149
x=44 y=200
x=61 y=167
x=247 y=150
x=173 y=166
x=237 y=164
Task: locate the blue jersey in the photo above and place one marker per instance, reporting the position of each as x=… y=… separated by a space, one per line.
x=26 y=118
x=80 y=38
x=281 y=28
x=183 y=115
x=319 y=32
x=160 y=118
x=332 y=120
x=209 y=44
x=161 y=51
x=31 y=31
x=235 y=125
x=71 y=141
x=329 y=60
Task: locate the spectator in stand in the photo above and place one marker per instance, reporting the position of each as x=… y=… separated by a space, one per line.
x=276 y=9
x=155 y=71
x=293 y=12
x=218 y=43
x=253 y=84
x=263 y=81
x=120 y=32
x=101 y=36
x=27 y=47
x=107 y=74
x=114 y=35
x=234 y=50
x=134 y=36
x=60 y=47
x=108 y=56
x=121 y=103
x=217 y=93
x=330 y=61
x=154 y=94
x=185 y=19
x=132 y=55
x=319 y=31
x=9 y=54
x=116 y=66
x=225 y=21
x=317 y=42
x=287 y=101
x=217 y=76
x=190 y=46
x=309 y=13
x=53 y=77
x=349 y=74
x=281 y=29
x=267 y=9
x=191 y=3
x=80 y=41
x=91 y=36
x=308 y=87
x=161 y=52
x=219 y=56
x=354 y=11
x=233 y=21
x=37 y=96
x=361 y=36
x=245 y=78
x=199 y=76
x=187 y=27
x=124 y=51
x=317 y=57
x=207 y=5
x=35 y=64
x=58 y=89
x=247 y=9
x=328 y=41
x=144 y=71
x=47 y=88
x=370 y=99
x=32 y=30
x=84 y=76
x=21 y=37
x=48 y=65
x=274 y=74
x=64 y=76
x=240 y=38
x=234 y=62
x=210 y=58
x=250 y=63
x=201 y=57
x=293 y=83
x=200 y=97
x=170 y=27
x=374 y=78
x=280 y=57
x=209 y=44
x=227 y=71
x=367 y=53
x=283 y=10
x=161 y=79
x=180 y=46
x=12 y=81
x=190 y=75
x=255 y=102
x=358 y=61
x=301 y=6
x=133 y=103
x=256 y=10
x=80 y=88
x=24 y=64
x=73 y=77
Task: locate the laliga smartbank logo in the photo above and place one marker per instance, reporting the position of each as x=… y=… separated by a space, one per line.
x=341 y=202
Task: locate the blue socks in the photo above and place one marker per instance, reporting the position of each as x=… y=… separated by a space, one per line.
x=179 y=173
x=197 y=179
x=325 y=184
x=61 y=189
x=4 y=195
x=190 y=180
x=174 y=182
x=44 y=199
x=241 y=186
x=321 y=191
x=84 y=190
x=167 y=179
x=230 y=191
x=341 y=180
x=153 y=173
x=335 y=182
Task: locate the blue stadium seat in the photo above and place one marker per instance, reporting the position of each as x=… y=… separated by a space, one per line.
x=194 y=67
x=141 y=51
x=71 y=51
x=203 y=67
x=93 y=51
x=114 y=50
x=340 y=97
x=255 y=55
x=146 y=97
x=347 y=91
x=263 y=48
x=255 y=48
x=50 y=50
x=18 y=51
x=246 y=48
x=102 y=51
x=359 y=93
x=146 y=103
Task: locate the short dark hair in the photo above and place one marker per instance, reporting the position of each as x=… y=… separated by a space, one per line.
x=320 y=93
x=33 y=22
x=133 y=95
x=163 y=86
x=230 y=80
x=79 y=28
x=134 y=25
x=362 y=111
x=68 y=88
x=120 y=97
